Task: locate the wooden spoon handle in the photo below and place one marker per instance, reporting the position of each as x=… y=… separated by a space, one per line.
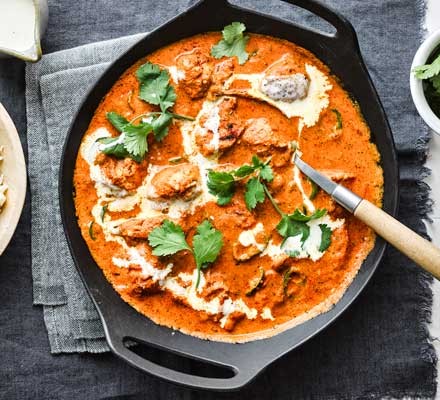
x=402 y=238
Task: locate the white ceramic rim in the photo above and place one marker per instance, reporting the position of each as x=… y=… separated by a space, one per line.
x=416 y=85
x=13 y=168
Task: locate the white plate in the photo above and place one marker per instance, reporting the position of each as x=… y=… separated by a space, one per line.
x=13 y=168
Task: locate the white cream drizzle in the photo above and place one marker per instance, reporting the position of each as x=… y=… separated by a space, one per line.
x=248 y=238
x=307 y=109
x=213 y=306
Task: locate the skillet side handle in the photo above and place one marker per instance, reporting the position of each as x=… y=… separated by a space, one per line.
x=344 y=29
x=236 y=382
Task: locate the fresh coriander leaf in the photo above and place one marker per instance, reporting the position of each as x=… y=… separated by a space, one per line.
x=147 y=71
x=254 y=193
x=428 y=70
x=207 y=243
x=338 y=118
x=288 y=227
x=155 y=87
x=135 y=140
x=168 y=239
x=230 y=32
x=118 y=121
x=113 y=146
x=169 y=98
x=233 y=43
x=326 y=237
x=103 y=212
x=299 y=216
x=266 y=173
x=222 y=185
x=160 y=125
x=243 y=171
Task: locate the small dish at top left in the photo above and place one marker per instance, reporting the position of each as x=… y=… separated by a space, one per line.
x=13 y=169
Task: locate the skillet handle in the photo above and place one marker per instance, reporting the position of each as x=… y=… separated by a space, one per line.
x=344 y=29
x=345 y=32
x=241 y=376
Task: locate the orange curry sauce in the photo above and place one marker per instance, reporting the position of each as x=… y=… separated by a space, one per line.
x=345 y=154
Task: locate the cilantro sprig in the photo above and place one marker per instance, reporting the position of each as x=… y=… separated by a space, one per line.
x=155 y=89
x=223 y=184
x=430 y=73
x=169 y=239
x=233 y=43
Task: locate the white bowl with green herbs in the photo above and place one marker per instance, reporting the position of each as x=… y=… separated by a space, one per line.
x=425 y=81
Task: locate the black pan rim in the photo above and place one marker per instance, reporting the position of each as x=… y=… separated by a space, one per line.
x=111 y=331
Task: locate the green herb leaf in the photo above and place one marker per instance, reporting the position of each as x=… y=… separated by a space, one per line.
x=155 y=87
x=207 y=243
x=266 y=173
x=289 y=227
x=160 y=125
x=118 y=121
x=222 y=185
x=428 y=70
x=326 y=237
x=338 y=118
x=168 y=239
x=113 y=146
x=135 y=140
x=233 y=43
x=243 y=171
x=296 y=224
x=254 y=193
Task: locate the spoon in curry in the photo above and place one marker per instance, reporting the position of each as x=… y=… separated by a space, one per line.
x=402 y=238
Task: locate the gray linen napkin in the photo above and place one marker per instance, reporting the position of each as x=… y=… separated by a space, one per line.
x=54 y=89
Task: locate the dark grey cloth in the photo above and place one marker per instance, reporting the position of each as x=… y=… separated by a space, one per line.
x=378 y=348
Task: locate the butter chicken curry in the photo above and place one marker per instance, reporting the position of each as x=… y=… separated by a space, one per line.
x=188 y=198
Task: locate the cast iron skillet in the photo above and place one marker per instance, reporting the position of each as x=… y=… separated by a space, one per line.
x=121 y=322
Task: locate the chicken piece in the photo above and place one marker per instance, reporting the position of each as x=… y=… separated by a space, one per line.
x=222 y=72
x=215 y=287
x=259 y=133
x=138 y=228
x=220 y=129
x=235 y=215
x=286 y=65
x=250 y=243
x=198 y=72
x=124 y=173
x=272 y=292
x=143 y=287
x=233 y=319
x=180 y=180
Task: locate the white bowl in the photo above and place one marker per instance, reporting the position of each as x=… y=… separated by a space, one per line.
x=13 y=168
x=418 y=96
